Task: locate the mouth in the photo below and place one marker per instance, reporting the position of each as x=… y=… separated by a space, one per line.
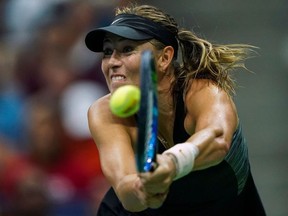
x=117 y=78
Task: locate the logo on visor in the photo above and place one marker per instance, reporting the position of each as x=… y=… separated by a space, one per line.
x=116 y=21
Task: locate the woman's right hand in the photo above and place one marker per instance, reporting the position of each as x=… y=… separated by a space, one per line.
x=152 y=187
x=138 y=192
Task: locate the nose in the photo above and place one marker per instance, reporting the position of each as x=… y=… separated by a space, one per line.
x=115 y=59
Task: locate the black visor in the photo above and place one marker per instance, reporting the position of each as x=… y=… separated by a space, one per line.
x=132 y=27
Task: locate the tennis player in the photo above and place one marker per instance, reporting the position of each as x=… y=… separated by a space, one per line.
x=203 y=166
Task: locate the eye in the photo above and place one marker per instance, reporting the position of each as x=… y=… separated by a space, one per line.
x=107 y=51
x=127 y=49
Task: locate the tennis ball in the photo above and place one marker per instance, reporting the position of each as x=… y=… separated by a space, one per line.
x=125 y=101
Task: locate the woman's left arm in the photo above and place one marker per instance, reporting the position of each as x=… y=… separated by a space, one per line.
x=211 y=120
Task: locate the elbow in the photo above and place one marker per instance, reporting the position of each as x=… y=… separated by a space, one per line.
x=222 y=150
x=225 y=147
x=222 y=142
x=222 y=146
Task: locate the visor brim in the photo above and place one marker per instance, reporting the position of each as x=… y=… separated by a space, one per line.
x=94 y=39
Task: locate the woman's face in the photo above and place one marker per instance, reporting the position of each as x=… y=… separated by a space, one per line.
x=121 y=60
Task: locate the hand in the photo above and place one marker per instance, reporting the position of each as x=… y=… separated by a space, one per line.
x=153 y=187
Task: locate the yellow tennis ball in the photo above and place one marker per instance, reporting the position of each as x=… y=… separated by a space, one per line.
x=125 y=101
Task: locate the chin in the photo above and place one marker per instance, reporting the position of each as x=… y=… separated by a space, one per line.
x=116 y=85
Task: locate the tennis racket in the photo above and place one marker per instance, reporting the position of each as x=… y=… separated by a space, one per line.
x=147 y=115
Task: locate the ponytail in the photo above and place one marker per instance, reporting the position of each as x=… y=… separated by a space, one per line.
x=202 y=59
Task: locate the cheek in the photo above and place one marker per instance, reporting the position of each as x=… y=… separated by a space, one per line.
x=104 y=68
x=105 y=72
x=134 y=70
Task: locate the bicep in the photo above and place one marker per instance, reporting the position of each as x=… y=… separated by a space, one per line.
x=218 y=113
x=210 y=107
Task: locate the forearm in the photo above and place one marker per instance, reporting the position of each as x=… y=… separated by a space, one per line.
x=213 y=146
x=201 y=150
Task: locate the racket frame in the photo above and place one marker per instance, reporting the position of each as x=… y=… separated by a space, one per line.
x=147 y=118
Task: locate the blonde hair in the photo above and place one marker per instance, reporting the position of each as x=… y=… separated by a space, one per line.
x=200 y=58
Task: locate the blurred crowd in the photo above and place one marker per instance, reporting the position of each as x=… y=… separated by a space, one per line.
x=49 y=163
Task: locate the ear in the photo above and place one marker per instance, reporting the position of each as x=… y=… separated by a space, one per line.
x=165 y=58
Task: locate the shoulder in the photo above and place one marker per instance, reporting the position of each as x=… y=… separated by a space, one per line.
x=204 y=92
x=207 y=103
x=99 y=109
x=100 y=116
x=200 y=87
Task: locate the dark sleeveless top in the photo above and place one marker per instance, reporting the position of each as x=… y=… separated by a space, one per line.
x=225 y=189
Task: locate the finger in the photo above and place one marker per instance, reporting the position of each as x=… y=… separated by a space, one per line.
x=161 y=170
x=155 y=187
x=154 y=166
x=156 y=176
x=157 y=200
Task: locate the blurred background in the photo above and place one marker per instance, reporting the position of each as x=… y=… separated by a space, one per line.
x=49 y=164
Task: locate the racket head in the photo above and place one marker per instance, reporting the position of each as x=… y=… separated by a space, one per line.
x=147 y=119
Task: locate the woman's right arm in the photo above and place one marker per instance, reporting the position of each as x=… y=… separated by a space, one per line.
x=114 y=138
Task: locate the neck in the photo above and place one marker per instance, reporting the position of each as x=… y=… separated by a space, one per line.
x=165 y=99
x=166 y=111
